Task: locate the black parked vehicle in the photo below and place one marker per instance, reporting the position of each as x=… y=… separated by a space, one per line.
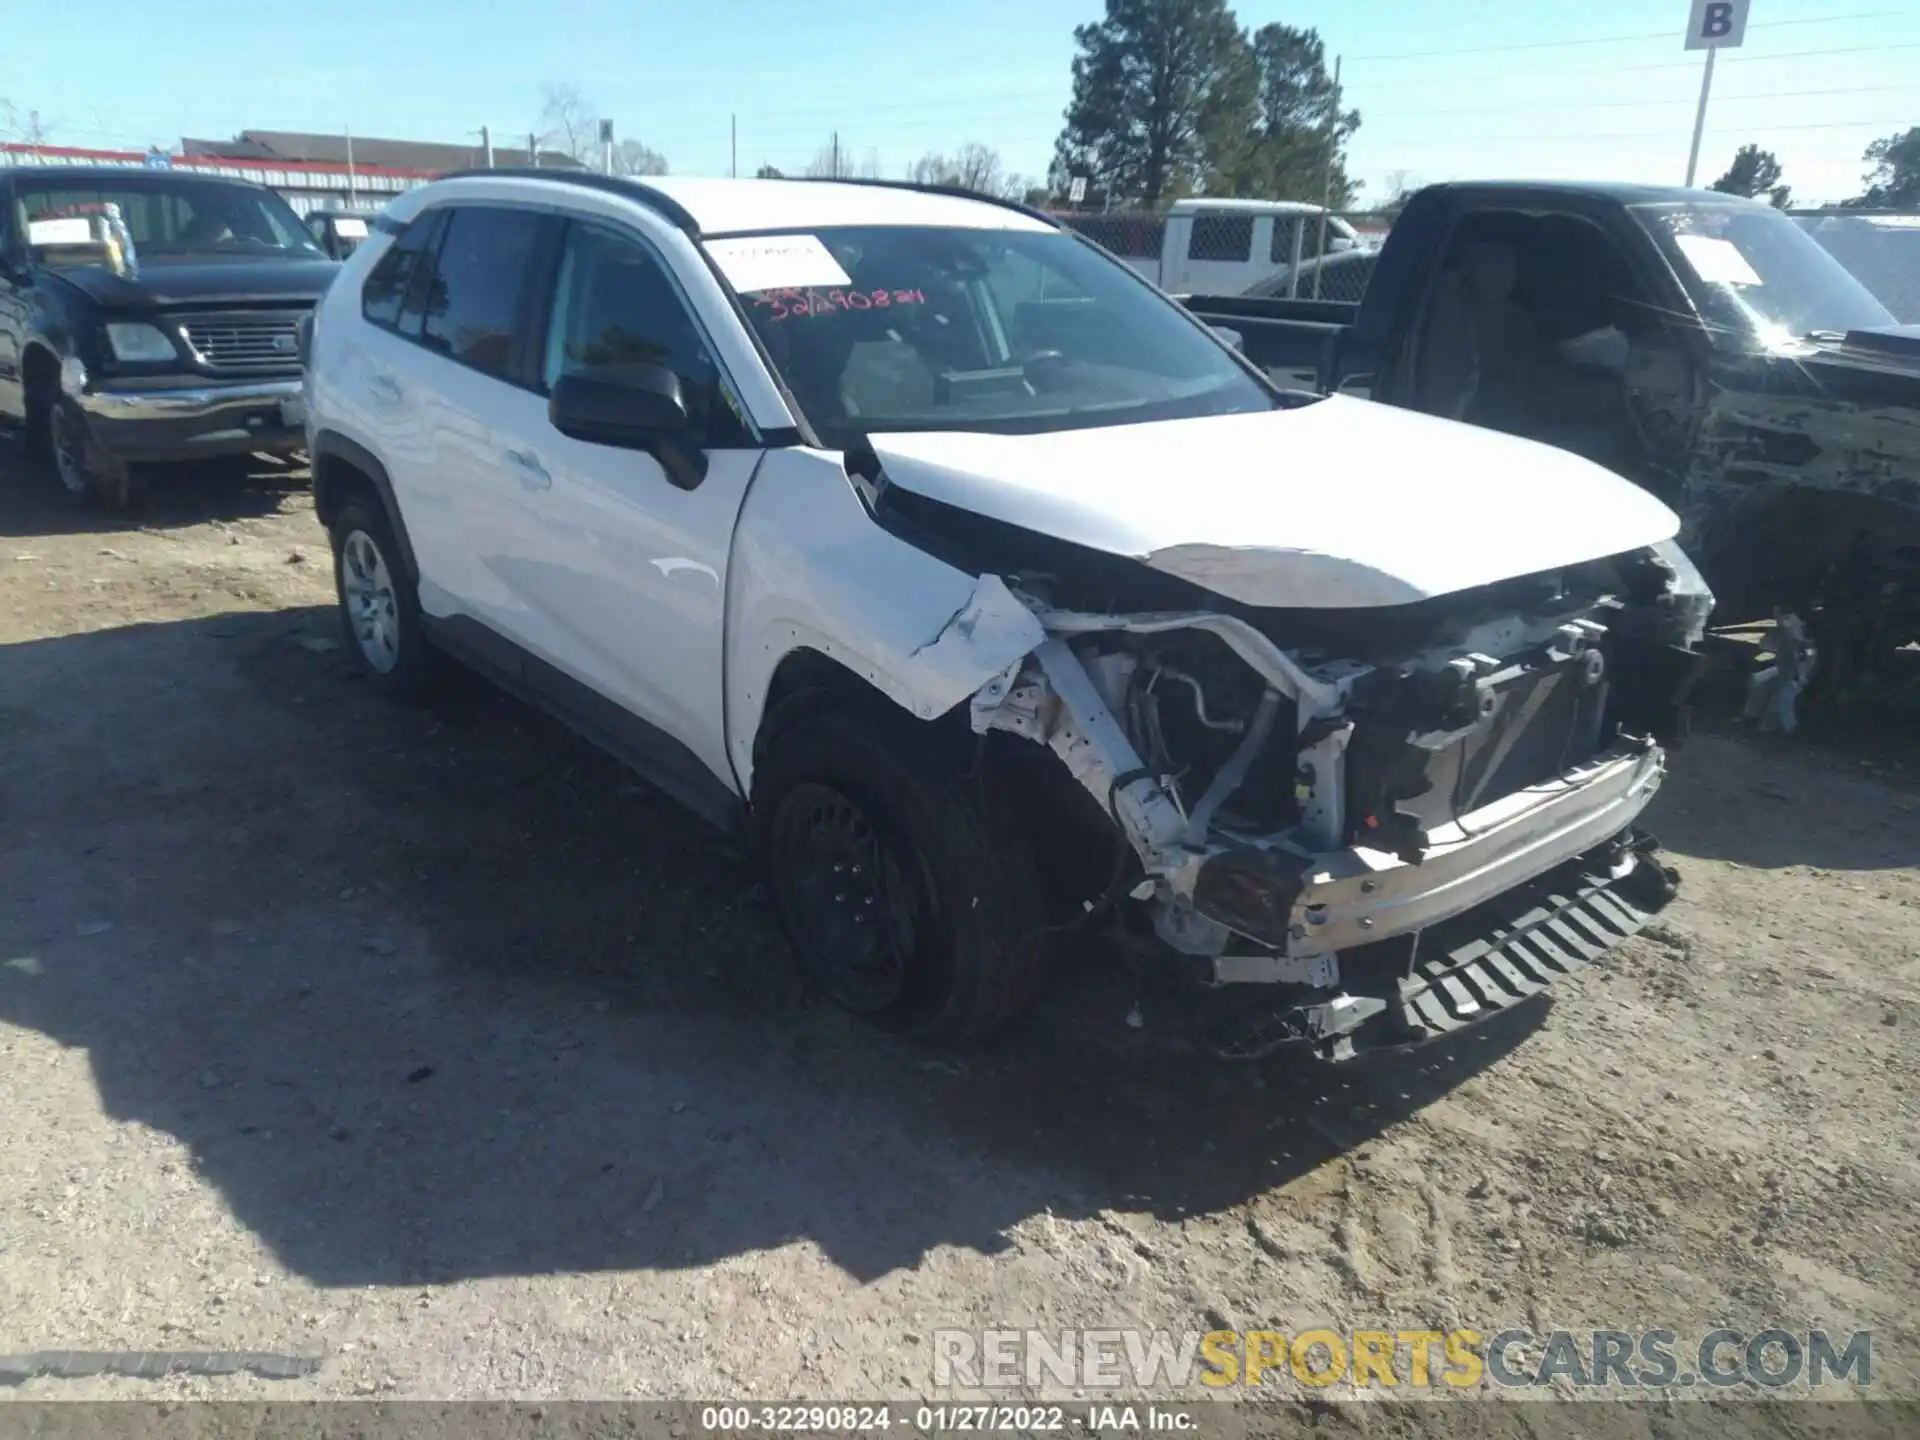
x=1703 y=345
x=339 y=232
x=150 y=316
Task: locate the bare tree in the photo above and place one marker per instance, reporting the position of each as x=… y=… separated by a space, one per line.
x=973 y=167
x=630 y=157
x=834 y=161
x=567 y=122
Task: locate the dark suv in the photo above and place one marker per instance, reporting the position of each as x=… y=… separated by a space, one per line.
x=150 y=316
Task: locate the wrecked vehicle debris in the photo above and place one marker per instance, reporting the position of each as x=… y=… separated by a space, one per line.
x=1010 y=598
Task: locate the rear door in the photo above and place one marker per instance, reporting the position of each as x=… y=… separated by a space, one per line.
x=477 y=377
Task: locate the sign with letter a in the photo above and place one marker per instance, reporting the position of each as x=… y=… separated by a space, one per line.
x=1717 y=24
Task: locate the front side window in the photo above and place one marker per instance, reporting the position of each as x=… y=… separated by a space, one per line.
x=899 y=328
x=476 y=300
x=176 y=215
x=615 y=305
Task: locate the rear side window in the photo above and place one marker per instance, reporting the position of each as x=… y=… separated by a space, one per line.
x=476 y=308
x=1221 y=237
x=407 y=260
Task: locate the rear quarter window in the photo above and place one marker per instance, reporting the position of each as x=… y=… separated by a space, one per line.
x=409 y=257
x=1221 y=237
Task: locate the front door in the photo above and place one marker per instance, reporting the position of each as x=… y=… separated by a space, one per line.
x=625 y=575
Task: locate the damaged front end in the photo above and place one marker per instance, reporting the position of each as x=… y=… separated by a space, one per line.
x=1371 y=827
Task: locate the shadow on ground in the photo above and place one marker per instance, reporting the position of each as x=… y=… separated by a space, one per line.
x=176 y=497
x=436 y=992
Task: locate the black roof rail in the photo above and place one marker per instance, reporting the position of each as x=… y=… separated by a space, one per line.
x=959 y=192
x=592 y=180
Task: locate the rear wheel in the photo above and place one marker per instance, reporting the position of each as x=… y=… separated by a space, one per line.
x=904 y=886
x=379 y=609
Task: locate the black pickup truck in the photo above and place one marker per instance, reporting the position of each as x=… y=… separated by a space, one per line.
x=1702 y=345
x=150 y=315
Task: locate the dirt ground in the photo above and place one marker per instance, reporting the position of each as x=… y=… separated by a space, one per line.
x=425 y=1042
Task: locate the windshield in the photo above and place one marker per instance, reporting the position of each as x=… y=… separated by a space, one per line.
x=894 y=328
x=1754 y=270
x=175 y=216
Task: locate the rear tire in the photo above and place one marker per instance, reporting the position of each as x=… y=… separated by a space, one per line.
x=904 y=886
x=379 y=605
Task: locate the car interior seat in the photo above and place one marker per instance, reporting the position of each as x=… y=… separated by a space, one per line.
x=1478 y=347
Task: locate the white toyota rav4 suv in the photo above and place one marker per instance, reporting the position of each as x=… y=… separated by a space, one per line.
x=991 y=593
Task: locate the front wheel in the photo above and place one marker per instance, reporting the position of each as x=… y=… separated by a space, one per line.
x=905 y=888
x=86 y=471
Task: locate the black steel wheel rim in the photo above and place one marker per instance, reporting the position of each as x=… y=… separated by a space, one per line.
x=851 y=904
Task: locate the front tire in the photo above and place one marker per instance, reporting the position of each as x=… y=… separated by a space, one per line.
x=379 y=607
x=87 y=472
x=904 y=886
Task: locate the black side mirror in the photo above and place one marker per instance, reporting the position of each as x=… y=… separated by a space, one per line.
x=634 y=406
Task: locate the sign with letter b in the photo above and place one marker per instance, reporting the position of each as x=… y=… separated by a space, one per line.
x=1717 y=24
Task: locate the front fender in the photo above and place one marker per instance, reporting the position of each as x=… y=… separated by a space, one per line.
x=812 y=571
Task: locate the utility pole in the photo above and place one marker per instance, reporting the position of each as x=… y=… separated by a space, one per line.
x=1710 y=25
x=349 y=134
x=733 y=146
x=533 y=150
x=1326 y=188
x=486 y=143
x=1700 y=118
x=836 y=154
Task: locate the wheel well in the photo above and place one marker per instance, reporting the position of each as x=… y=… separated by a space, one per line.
x=340 y=474
x=40 y=369
x=1780 y=552
x=335 y=478
x=1076 y=845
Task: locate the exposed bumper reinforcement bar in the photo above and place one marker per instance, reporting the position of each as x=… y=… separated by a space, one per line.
x=1471 y=967
x=1359 y=896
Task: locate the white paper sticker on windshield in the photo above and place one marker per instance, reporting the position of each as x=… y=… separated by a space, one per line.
x=75 y=231
x=1716 y=261
x=776 y=262
x=350 y=228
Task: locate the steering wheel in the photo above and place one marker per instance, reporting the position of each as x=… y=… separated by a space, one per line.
x=1042 y=366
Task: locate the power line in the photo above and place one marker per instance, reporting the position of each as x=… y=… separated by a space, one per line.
x=1761 y=132
x=1827 y=90
x=1617 y=39
x=1454 y=81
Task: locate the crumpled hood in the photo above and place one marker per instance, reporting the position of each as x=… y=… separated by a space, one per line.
x=203 y=281
x=1339 y=504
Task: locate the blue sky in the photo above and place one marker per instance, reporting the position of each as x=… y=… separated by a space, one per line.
x=1447 y=90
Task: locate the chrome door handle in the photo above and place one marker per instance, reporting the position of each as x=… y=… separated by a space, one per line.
x=533 y=474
